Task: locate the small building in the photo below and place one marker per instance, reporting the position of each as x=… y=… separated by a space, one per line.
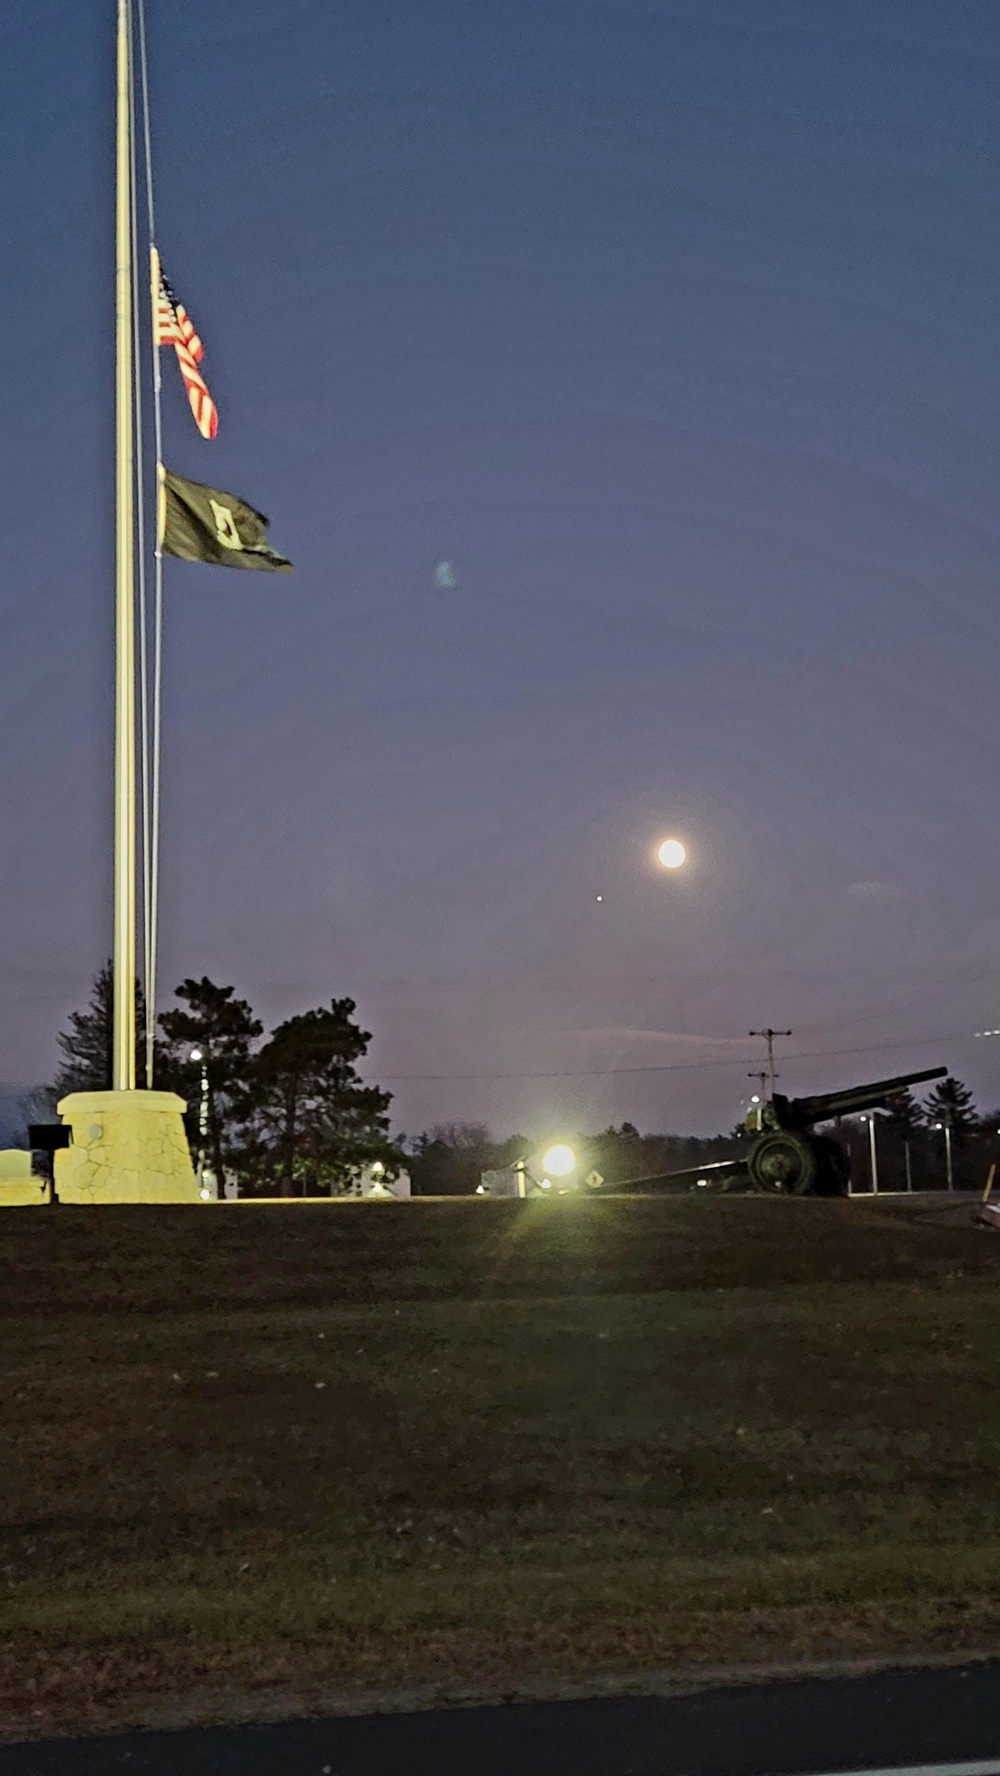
x=508 y=1182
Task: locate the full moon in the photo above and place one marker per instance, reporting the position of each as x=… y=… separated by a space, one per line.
x=672 y=854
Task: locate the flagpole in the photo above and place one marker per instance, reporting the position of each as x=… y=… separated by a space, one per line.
x=125 y=821
x=126 y=1146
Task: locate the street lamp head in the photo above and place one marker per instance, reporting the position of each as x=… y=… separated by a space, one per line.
x=559 y=1160
x=196 y=1054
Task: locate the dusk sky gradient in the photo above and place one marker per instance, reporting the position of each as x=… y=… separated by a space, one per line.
x=624 y=382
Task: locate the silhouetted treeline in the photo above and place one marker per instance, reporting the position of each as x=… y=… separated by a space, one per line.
x=910 y=1140
x=450 y=1158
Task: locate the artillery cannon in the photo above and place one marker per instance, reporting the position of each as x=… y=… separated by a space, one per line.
x=787 y=1154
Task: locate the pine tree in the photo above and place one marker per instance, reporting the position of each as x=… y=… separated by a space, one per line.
x=87 y=1047
x=312 y=1120
x=951 y=1103
x=225 y=1029
x=905 y=1115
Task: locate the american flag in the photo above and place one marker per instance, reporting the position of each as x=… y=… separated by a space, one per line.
x=172 y=326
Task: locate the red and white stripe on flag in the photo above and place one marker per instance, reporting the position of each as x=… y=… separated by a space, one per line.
x=172 y=326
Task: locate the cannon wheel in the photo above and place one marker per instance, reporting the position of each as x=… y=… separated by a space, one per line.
x=786 y=1162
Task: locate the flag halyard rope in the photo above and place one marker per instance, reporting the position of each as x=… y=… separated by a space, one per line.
x=141 y=577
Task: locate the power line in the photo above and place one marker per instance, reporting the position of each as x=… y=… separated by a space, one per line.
x=820 y=1054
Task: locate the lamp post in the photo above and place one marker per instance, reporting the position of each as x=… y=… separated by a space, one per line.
x=560 y=1161
x=205 y=1190
x=873 y=1151
x=946 y=1126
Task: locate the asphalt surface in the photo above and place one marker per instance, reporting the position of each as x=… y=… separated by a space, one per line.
x=937 y=1720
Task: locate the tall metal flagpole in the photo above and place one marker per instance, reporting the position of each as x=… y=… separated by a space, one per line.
x=125 y=821
x=127 y=1145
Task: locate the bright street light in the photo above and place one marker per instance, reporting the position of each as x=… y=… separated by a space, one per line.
x=559 y=1160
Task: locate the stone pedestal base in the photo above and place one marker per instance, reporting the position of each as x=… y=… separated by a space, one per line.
x=128 y=1147
x=15 y=1194
x=18 y=1188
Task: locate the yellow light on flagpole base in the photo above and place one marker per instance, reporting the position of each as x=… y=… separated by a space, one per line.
x=672 y=854
x=559 y=1160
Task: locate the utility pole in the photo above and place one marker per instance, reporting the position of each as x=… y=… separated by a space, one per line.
x=760 y=1077
x=769 y=1036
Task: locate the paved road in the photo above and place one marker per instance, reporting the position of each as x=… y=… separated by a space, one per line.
x=947 y=1722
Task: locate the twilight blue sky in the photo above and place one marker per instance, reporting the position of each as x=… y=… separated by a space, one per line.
x=624 y=381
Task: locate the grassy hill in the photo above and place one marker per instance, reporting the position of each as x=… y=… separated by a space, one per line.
x=351 y=1446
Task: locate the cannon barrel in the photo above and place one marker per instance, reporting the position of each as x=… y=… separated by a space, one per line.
x=804 y=1112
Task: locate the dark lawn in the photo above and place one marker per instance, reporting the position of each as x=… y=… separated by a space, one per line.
x=363 y=1445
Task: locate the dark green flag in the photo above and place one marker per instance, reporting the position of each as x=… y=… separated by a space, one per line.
x=201 y=524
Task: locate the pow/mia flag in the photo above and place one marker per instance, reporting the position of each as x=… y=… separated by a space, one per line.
x=201 y=524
